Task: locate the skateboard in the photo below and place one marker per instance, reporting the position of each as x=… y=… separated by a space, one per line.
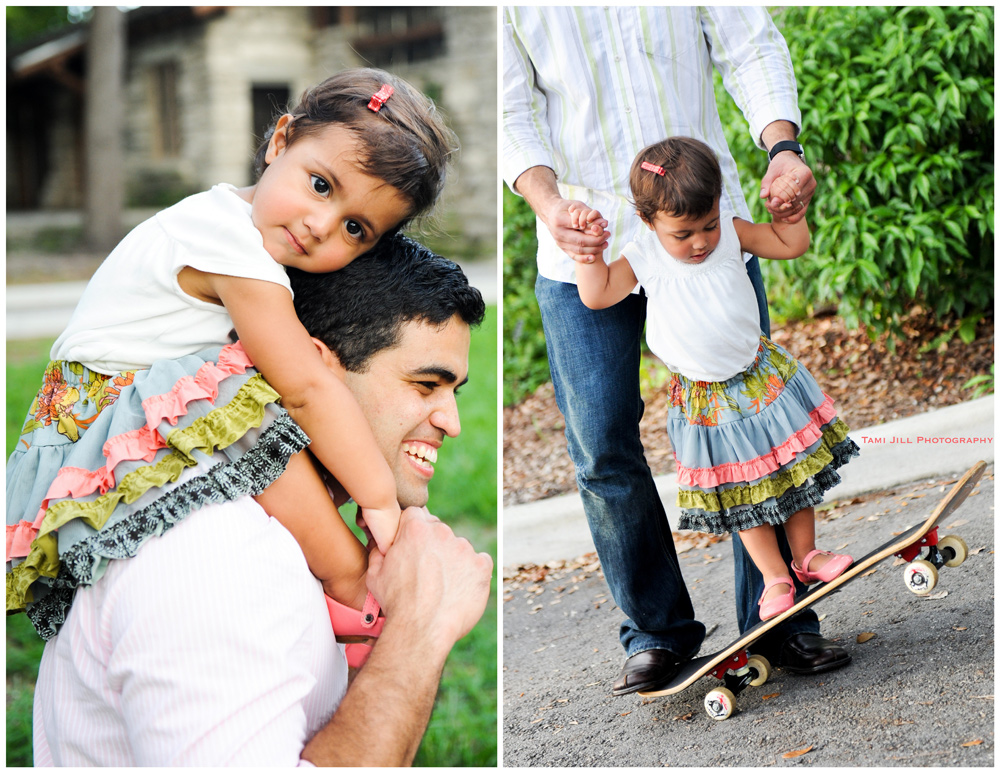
x=737 y=669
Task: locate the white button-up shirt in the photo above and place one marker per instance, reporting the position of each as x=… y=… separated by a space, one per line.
x=586 y=88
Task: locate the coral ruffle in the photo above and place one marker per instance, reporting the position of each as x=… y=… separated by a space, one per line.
x=762 y=466
x=142 y=443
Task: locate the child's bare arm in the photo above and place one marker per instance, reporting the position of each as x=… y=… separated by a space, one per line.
x=300 y=501
x=777 y=240
x=314 y=397
x=601 y=285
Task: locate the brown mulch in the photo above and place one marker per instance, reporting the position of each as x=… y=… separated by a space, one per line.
x=869 y=385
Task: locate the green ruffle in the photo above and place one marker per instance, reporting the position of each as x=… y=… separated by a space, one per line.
x=215 y=430
x=771 y=487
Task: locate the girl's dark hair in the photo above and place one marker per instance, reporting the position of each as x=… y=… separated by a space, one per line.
x=689 y=186
x=406 y=144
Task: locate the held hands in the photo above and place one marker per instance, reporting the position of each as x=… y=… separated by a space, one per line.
x=785 y=190
x=578 y=230
x=589 y=222
x=799 y=176
x=380 y=525
x=431 y=583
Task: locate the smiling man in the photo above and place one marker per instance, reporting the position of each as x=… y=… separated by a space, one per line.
x=212 y=646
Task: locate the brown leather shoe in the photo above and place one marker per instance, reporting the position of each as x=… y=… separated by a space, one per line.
x=646 y=670
x=810 y=653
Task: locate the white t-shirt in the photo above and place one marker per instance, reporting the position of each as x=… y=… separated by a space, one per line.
x=701 y=320
x=134 y=312
x=211 y=647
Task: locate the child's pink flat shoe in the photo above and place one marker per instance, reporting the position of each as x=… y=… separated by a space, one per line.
x=776 y=606
x=357 y=630
x=831 y=569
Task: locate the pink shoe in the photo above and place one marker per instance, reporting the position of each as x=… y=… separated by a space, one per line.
x=778 y=605
x=831 y=570
x=357 y=630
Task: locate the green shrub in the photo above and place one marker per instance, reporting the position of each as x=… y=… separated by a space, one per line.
x=525 y=363
x=897 y=113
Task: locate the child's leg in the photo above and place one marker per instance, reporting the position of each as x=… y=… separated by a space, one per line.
x=801 y=532
x=762 y=546
x=300 y=501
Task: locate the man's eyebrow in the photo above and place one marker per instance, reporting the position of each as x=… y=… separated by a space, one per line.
x=447 y=375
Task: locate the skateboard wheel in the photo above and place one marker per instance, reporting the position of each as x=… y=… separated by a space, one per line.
x=920 y=576
x=719 y=703
x=958 y=547
x=759 y=664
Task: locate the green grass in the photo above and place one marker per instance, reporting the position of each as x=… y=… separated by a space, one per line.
x=463 y=727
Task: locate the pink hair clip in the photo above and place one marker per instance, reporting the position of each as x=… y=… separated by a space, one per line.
x=652 y=168
x=380 y=97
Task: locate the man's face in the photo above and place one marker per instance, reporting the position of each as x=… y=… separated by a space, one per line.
x=408 y=396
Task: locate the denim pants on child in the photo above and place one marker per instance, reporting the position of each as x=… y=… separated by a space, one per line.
x=594 y=363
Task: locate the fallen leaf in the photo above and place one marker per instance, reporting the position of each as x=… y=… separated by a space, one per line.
x=683 y=717
x=959 y=628
x=798 y=753
x=977 y=742
x=940 y=595
x=768 y=697
x=624 y=713
x=863 y=637
x=869 y=572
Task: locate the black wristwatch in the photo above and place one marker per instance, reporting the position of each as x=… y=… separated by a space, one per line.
x=791 y=145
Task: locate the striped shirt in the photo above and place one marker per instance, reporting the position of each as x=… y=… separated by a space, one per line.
x=211 y=647
x=586 y=88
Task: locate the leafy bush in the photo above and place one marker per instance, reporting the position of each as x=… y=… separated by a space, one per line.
x=525 y=363
x=897 y=112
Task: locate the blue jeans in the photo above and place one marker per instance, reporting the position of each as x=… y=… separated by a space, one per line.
x=594 y=362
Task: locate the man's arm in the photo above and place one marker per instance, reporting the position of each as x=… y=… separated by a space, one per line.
x=752 y=57
x=433 y=587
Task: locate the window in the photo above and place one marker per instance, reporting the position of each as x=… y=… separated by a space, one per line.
x=166 y=118
x=396 y=35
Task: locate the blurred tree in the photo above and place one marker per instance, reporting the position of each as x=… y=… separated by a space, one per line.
x=27 y=22
x=104 y=192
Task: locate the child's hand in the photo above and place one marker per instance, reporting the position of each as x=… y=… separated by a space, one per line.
x=585 y=219
x=785 y=188
x=380 y=524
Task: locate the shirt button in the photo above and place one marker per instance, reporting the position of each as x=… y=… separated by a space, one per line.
x=628 y=109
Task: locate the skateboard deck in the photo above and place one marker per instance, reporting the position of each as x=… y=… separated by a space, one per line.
x=739 y=670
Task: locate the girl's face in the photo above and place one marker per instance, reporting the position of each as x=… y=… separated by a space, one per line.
x=689 y=240
x=315 y=208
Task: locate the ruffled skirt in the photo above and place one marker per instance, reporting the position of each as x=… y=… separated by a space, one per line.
x=755 y=449
x=104 y=463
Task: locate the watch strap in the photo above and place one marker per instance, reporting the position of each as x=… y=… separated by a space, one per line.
x=778 y=147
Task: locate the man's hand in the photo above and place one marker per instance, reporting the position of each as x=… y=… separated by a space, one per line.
x=786 y=163
x=789 y=165
x=433 y=587
x=431 y=584
x=561 y=216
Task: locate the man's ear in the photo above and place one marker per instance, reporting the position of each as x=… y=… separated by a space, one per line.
x=330 y=359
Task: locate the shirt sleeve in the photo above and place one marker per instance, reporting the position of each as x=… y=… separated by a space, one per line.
x=214 y=643
x=756 y=68
x=526 y=138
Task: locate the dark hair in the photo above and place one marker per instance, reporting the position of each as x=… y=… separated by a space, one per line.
x=689 y=186
x=406 y=143
x=359 y=310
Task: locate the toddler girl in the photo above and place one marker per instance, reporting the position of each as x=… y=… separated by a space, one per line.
x=119 y=443
x=755 y=440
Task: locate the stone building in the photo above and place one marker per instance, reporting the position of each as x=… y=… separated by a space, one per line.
x=203 y=82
